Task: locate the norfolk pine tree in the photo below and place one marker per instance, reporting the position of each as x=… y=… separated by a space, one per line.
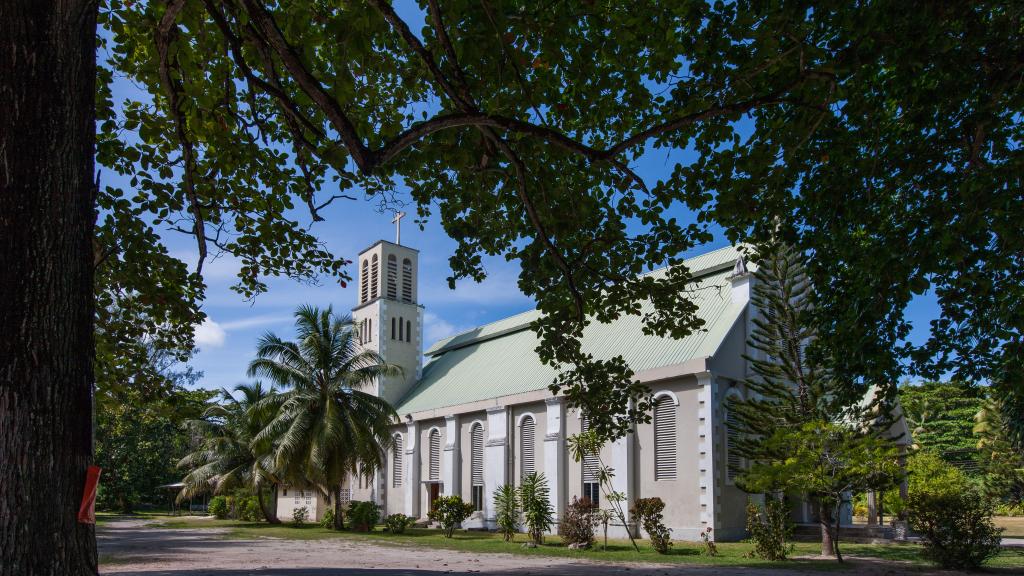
x=792 y=396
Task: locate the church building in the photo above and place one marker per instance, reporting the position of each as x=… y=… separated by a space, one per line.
x=476 y=413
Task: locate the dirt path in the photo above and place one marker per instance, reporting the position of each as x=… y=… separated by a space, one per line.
x=129 y=547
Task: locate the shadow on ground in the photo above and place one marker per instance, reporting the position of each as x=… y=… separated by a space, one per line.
x=132 y=549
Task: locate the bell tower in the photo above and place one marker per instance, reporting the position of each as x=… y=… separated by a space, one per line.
x=388 y=318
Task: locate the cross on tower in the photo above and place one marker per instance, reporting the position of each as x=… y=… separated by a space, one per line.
x=397 y=221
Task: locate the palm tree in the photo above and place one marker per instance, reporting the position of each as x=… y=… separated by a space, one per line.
x=325 y=427
x=227 y=455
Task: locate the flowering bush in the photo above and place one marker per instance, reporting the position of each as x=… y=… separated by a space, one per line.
x=578 y=523
x=648 y=511
x=450 y=511
x=299 y=516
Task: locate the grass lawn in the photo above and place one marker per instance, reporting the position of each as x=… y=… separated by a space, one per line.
x=103 y=518
x=1014 y=526
x=730 y=553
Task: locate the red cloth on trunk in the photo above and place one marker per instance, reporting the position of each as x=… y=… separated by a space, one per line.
x=87 y=511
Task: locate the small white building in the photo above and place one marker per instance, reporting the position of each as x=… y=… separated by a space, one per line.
x=476 y=412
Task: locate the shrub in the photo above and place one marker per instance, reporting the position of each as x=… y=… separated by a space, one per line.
x=648 y=511
x=770 y=529
x=398 y=523
x=506 y=511
x=328 y=519
x=709 y=548
x=927 y=472
x=449 y=511
x=248 y=508
x=537 y=512
x=299 y=516
x=1009 y=509
x=363 y=516
x=956 y=528
x=219 y=507
x=603 y=516
x=578 y=523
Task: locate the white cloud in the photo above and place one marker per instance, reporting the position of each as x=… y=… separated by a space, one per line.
x=255 y=321
x=210 y=334
x=436 y=328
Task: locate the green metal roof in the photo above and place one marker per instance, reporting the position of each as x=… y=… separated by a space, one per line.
x=498 y=359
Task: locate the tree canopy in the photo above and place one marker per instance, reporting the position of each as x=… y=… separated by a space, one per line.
x=941 y=416
x=138 y=442
x=884 y=137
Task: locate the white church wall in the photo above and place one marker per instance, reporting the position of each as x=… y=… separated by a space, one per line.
x=555 y=452
x=423 y=490
x=496 y=462
x=451 y=467
x=362 y=487
x=397 y=350
x=466 y=423
x=731 y=502
x=574 y=470
x=538 y=412
x=728 y=360
x=682 y=494
x=368 y=319
x=395 y=499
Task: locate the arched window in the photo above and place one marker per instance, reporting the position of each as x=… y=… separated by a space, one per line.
x=476 y=465
x=407 y=280
x=392 y=291
x=733 y=460
x=591 y=464
x=408 y=331
x=392 y=328
x=434 y=455
x=401 y=329
x=665 y=438
x=396 y=461
x=364 y=282
x=374 y=277
x=527 y=446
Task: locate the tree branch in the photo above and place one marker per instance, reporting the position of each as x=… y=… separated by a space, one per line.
x=166 y=32
x=265 y=23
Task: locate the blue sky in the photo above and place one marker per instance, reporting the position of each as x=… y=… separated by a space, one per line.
x=226 y=342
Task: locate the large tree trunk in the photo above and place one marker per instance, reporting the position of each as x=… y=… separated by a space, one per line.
x=825 y=521
x=47 y=144
x=835 y=535
x=872 y=509
x=270 y=513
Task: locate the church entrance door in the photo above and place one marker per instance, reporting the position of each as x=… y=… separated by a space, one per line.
x=433 y=492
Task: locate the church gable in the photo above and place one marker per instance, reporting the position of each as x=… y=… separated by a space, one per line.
x=498 y=359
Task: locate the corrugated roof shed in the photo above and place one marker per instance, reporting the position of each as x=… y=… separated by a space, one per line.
x=498 y=359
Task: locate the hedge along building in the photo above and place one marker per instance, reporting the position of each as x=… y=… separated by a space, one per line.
x=477 y=414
